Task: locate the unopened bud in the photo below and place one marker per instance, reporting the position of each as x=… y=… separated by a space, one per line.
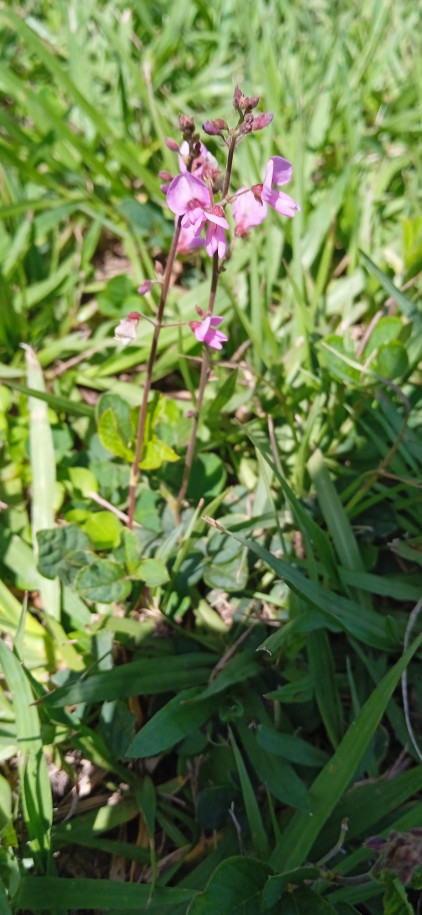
x=237 y=95
x=158 y=268
x=171 y=144
x=214 y=128
x=165 y=176
x=186 y=124
x=199 y=311
x=242 y=102
x=262 y=120
x=244 y=129
x=401 y=853
x=142 y=289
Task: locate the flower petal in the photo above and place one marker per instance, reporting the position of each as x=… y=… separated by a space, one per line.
x=183 y=190
x=279 y=171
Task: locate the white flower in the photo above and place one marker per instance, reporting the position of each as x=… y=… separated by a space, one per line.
x=126 y=331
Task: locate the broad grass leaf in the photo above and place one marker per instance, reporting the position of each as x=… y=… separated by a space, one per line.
x=290 y=747
x=35 y=784
x=175 y=720
x=36 y=894
x=274 y=772
x=331 y=783
x=150 y=676
x=367 y=626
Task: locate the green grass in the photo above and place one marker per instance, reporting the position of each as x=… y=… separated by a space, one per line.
x=198 y=686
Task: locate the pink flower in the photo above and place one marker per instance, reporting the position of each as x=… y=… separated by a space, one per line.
x=188 y=240
x=125 y=332
x=204 y=166
x=205 y=331
x=215 y=238
x=250 y=206
x=278 y=172
x=247 y=211
x=190 y=198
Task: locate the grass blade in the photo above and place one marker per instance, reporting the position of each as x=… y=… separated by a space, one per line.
x=332 y=782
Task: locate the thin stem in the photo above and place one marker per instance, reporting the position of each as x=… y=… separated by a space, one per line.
x=191 y=446
x=135 y=469
x=228 y=174
x=214 y=283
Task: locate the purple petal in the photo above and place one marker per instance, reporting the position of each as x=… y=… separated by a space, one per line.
x=281 y=202
x=279 y=171
x=247 y=211
x=202 y=330
x=183 y=190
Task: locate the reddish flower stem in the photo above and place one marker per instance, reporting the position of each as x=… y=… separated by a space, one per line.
x=191 y=446
x=229 y=166
x=135 y=469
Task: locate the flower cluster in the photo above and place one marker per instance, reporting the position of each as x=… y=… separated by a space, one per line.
x=191 y=196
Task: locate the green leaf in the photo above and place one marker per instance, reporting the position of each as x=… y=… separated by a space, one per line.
x=277 y=774
x=155 y=453
x=145 y=675
x=234 y=889
x=276 y=885
x=103 y=581
x=5 y=803
x=391 y=361
x=395 y=899
x=208 y=477
x=367 y=626
x=387 y=329
x=337 y=365
x=35 y=784
x=290 y=747
x=63 y=551
x=152 y=571
x=175 y=720
x=103 y=529
x=39 y=893
x=115 y=429
x=83 y=480
x=331 y=783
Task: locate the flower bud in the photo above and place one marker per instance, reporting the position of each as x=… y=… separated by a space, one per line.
x=165 y=176
x=262 y=120
x=142 y=289
x=215 y=127
x=242 y=103
x=401 y=853
x=171 y=144
x=187 y=125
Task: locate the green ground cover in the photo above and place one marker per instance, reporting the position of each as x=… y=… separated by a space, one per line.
x=189 y=710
